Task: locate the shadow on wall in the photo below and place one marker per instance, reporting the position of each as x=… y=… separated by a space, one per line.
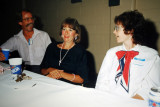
x=91 y=62
x=38 y=23
x=151 y=34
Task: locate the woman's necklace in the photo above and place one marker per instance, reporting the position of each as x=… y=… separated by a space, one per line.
x=61 y=59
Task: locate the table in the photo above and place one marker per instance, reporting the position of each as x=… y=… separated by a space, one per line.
x=42 y=91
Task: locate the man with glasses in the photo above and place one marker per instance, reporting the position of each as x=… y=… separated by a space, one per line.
x=30 y=42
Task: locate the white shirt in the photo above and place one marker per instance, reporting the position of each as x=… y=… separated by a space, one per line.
x=144 y=72
x=32 y=53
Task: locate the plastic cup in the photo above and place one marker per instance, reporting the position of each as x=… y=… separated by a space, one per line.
x=6 y=53
x=16 y=65
x=154 y=97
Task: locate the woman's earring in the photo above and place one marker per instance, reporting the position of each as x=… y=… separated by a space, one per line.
x=75 y=38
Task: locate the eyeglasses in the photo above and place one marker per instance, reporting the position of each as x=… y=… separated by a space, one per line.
x=117 y=28
x=29 y=18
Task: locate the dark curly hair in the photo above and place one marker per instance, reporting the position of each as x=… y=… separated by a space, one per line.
x=73 y=24
x=19 y=14
x=133 y=22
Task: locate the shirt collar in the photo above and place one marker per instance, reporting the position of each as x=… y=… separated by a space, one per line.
x=133 y=49
x=36 y=31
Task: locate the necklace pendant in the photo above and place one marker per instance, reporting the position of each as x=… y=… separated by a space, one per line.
x=59 y=62
x=61 y=59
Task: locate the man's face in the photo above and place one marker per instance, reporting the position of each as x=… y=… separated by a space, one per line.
x=27 y=22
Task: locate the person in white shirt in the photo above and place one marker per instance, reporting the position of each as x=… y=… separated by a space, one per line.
x=30 y=42
x=130 y=69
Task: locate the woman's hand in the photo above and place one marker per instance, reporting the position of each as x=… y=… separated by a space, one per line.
x=57 y=74
x=2 y=57
x=54 y=73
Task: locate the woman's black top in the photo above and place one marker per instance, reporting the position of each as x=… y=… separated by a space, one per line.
x=74 y=62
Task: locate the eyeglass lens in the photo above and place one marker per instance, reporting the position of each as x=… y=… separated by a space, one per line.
x=29 y=18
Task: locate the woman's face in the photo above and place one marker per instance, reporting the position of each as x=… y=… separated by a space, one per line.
x=68 y=34
x=120 y=35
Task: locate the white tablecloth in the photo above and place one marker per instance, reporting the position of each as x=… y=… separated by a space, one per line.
x=42 y=91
